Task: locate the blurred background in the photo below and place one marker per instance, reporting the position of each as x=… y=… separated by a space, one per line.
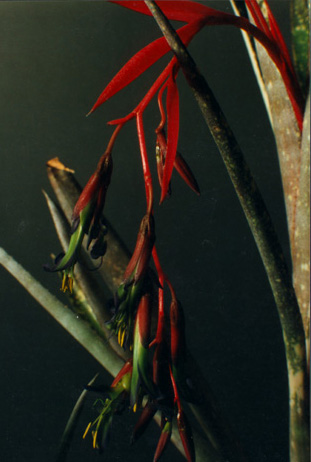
x=55 y=59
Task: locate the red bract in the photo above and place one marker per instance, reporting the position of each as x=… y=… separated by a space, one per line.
x=139 y=262
x=98 y=182
x=172 y=108
x=200 y=15
x=197 y=16
x=258 y=17
x=180 y=164
x=185 y=172
x=142 y=60
x=271 y=29
x=281 y=58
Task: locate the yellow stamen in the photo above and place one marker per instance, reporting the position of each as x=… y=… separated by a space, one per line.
x=64 y=285
x=119 y=336
x=135 y=407
x=94 y=438
x=122 y=338
x=86 y=430
x=67 y=283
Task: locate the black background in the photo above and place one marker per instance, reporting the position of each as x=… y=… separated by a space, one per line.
x=55 y=59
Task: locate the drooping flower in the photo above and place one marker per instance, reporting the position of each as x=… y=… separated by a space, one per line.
x=114 y=403
x=130 y=291
x=86 y=220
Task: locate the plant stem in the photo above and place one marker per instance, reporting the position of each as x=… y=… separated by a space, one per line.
x=264 y=235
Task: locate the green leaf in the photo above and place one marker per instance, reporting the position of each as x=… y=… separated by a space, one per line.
x=71 y=424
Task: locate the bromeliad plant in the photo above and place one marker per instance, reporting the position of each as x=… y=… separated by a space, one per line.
x=156 y=379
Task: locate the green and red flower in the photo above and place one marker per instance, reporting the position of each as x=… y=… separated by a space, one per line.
x=86 y=220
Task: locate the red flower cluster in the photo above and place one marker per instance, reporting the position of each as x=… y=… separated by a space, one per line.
x=157 y=376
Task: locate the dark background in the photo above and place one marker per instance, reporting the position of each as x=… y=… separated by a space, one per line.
x=55 y=59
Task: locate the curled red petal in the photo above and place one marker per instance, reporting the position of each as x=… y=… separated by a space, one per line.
x=172 y=110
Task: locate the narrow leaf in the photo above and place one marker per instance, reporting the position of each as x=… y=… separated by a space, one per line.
x=72 y=423
x=80 y=331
